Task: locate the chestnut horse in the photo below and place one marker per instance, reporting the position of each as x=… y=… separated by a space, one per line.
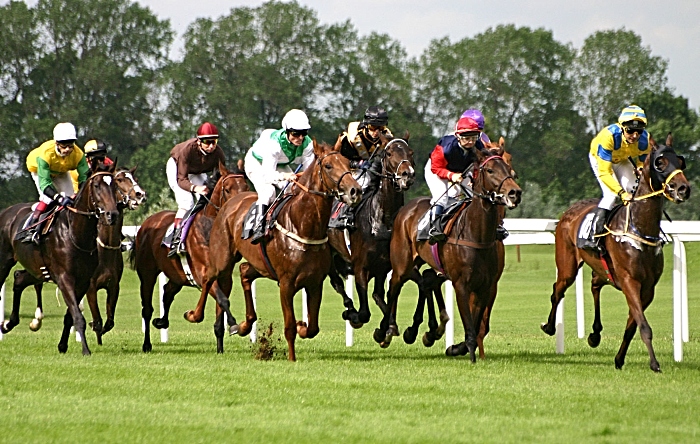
x=111 y=263
x=369 y=242
x=67 y=255
x=149 y=257
x=469 y=258
x=432 y=284
x=297 y=254
x=634 y=256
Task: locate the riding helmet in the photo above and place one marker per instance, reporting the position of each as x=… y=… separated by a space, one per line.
x=94 y=148
x=633 y=116
x=207 y=131
x=476 y=115
x=466 y=125
x=64 y=132
x=295 y=119
x=376 y=115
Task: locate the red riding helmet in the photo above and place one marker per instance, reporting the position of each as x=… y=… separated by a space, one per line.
x=207 y=130
x=466 y=125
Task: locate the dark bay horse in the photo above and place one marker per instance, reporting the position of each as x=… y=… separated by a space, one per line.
x=432 y=289
x=297 y=255
x=111 y=263
x=149 y=257
x=469 y=258
x=369 y=242
x=634 y=248
x=67 y=255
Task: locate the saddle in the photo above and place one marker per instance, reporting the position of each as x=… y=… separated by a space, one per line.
x=44 y=226
x=585 y=237
x=171 y=234
x=445 y=220
x=272 y=213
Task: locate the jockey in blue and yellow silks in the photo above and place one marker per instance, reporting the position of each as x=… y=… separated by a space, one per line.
x=609 y=156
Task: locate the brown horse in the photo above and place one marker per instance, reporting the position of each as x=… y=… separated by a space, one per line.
x=67 y=255
x=634 y=249
x=149 y=257
x=369 y=242
x=469 y=258
x=297 y=254
x=111 y=263
x=432 y=288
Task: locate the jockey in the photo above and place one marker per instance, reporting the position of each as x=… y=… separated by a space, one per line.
x=49 y=165
x=478 y=117
x=447 y=165
x=267 y=161
x=95 y=152
x=608 y=156
x=187 y=169
x=358 y=144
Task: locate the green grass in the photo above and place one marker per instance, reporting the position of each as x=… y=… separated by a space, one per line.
x=184 y=392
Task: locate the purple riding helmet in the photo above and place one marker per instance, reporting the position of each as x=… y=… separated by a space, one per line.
x=479 y=119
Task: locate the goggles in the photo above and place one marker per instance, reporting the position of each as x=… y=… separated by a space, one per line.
x=209 y=141
x=64 y=144
x=375 y=128
x=298 y=133
x=468 y=137
x=629 y=130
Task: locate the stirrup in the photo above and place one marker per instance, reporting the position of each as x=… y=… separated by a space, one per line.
x=435 y=236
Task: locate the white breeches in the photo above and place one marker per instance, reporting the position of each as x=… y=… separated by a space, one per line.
x=439 y=187
x=624 y=172
x=266 y=190
x=184 y=198
x=62 y=182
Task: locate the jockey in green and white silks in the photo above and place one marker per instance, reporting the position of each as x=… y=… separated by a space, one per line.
x=267 y=163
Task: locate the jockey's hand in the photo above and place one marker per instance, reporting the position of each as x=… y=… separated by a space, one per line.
x=456 y=178
x=65 y=201
x=200 y=189
x=289 y=177
x=625 y=196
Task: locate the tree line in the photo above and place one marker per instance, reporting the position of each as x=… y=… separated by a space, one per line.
x=104 y=65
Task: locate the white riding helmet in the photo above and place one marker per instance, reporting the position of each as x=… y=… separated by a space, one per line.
x=64 y=131
x=295 y=119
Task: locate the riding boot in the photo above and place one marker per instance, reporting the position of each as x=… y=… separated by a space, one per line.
x=347 y=215
x=175 y=242
x=601 y=214
x=30 y=231
x=501 y=233
x=259 y=226
x=435 y=233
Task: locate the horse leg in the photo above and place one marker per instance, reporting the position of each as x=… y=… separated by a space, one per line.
x=111 y=304
x=248 y=276
x=567 y=268
x=410 y=334
x=637 y=305
x=434 y=282
x=361 y=285
x=388 y=324
x=148 y=282
x=597 y=284
x=290 y=323
x=219 y=329
x=22 y=280
x=313 y=305
x=339 y=286
x=222 y=293
x=73 y=317
x=39 y=312
x=91 y=296
x=170 y=289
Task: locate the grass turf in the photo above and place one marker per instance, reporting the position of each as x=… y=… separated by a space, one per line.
x=184 y=392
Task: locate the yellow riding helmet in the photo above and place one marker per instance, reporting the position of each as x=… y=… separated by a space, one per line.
x=94 y=148
x=633 y=113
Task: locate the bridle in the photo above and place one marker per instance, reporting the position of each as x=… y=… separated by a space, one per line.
x=91 y=199
x=495 y=197
x=335 y=189
x=393 y=176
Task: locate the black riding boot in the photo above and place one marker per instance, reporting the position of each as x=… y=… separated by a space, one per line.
x=601 y=214
x=175 y=237
x=30 y=231
x=501 y=233
x=259 y=225
x=435 y=233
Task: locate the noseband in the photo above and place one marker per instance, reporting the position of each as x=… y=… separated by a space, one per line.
x=91 y=200
x=335 y=191
x=393 y=176
x=495 y=197
x=125 y=199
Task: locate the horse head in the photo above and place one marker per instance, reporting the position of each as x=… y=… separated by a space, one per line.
x=226 y=184
x=98 y=195
x=334 y=174
x=664 y=170
x=130 y=192
x=493 y=176
x=397 y=163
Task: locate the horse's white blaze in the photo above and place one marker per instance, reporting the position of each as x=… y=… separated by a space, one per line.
x=107 y=179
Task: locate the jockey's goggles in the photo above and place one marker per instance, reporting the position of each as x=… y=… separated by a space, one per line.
x=209 y=141
x=468 y=137
x=298 y=133
x=375 y=128
x=629 y=130
x=65 y=144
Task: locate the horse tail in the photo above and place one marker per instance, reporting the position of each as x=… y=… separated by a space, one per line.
x=132 y=251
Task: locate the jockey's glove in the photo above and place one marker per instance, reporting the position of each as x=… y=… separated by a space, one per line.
x=65 y=201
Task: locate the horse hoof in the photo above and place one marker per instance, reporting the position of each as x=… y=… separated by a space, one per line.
x=378 y=336
x=233 y=330
x=655 y=367
x=363 y=317
x=160 y=323
x=35 y=325
x=428 y=341
x=547 y=329
x=109 y=325
x=5 y=327
x=62 y=348
x=147 y=348
x=594 y=340
x=356 y=325
x=409 y=335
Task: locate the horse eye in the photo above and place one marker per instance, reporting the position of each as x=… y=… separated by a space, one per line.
x=489 y=170
x=328 y=166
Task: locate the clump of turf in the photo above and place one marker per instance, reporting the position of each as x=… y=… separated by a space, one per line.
x=268 y=347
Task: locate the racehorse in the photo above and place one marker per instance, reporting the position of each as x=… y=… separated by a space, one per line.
x=369 y=242
x=469 y=257
x=634 y=259
x=297 y=255
x=149 y=257
x=67 y=255
x=111 y=263
x=432 y=287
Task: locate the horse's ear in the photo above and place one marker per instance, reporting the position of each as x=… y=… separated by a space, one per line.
x=113 y=167
x=240 y=164
x=338 y=143
x=406 y=135
x=652 y=142
x=133 y=169
x=669 y=139
x=502 y=142
x=318 y=149
x=222 y=169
